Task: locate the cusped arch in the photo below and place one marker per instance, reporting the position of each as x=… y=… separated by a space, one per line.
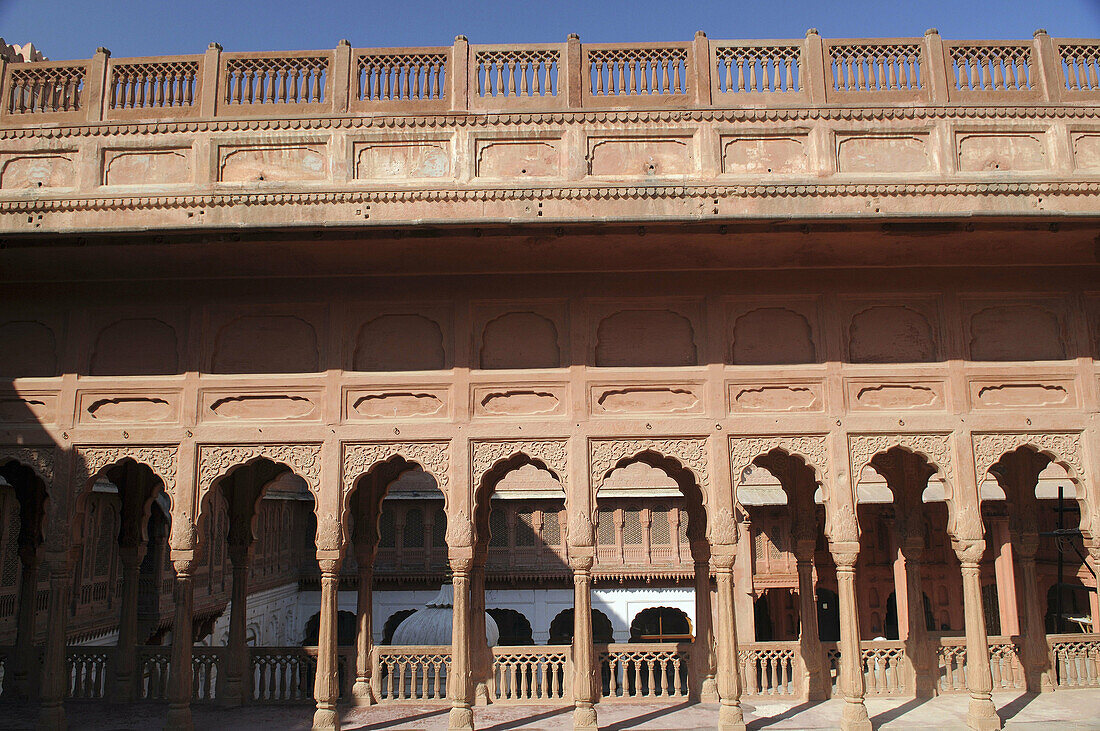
x=92 y=463
x=772 y=336
x=520 y=340
x=493 y=461
x=36 y=354
x=362 y=459
x=891 y=334
x=1016 y=332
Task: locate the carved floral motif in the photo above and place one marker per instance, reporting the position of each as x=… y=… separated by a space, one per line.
x=40 y=459
x=935 y=447
x=93 y=460
x=215 y=460
x=1065 y=446
x=460 y=531
x=433 y=457
x=554 y=453
x=690 y=452
x=723 y=527
x=813 y=448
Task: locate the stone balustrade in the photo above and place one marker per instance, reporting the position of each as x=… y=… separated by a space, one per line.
x=644 y=670
x=410 y=673
x=769 y=668
x=554 y=76
x=532 y=674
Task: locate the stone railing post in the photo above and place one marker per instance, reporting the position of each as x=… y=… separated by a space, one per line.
x=326 y=688
x=854 y=715
x=814 y=77
x=342 y=77
x=51 y=709
x=461 y=717
x=95 y=86
x=572 y=73
x=731 y=717
x=982 y=715
x=701 y=80
x=179 y=674
x=938 y=72
x=460 y=74
x=1049 y=77
x=211 y=81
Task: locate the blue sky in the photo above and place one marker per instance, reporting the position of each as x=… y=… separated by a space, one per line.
x=66 y=29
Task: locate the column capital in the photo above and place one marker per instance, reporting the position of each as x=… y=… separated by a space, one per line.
x=330 y=567
x=240 y=554
x=724 y=562
x=969 y=551
x=184 y=567
x=844 y=555
x=581 y=563
x=461 y=565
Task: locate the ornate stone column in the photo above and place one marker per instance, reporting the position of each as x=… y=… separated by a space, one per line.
x=130 y=556
x=51 y=709
x=326 y=688
x=730 y=715
x=851 y=665
x=917 y=647
x=481 y=654
x=982 y=714
x=21 y=686
x=179 y=691
x=461 y=717
x=705 y=658
x=584 y=656
x=1036 y=656
x=364 y=629
x=809 y=636
x=231 y=685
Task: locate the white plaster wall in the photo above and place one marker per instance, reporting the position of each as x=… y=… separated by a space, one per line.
x=540 y=606
x=273 y=618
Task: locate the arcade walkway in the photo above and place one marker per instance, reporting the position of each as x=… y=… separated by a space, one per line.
x=1065 y=709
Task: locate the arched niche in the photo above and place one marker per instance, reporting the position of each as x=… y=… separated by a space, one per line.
x=641 y=338
x=140 y=346
x=520 y=340
x=772 y=336
x=891 y=334
x=266 y=344
x=1016 y=332
x=28 y=349
x=399 y=342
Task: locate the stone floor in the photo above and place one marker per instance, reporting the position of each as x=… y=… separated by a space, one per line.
x=1065 y=709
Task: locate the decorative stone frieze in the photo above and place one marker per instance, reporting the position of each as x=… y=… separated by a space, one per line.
x=934 y=447
x=40 y=459
x=812 y=448
x=554 y=453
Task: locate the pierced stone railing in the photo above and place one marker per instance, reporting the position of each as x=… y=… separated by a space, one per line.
x=154 y=664
x=206 y=663
x=87 y=668
x=769 y=668
x=549 y=77
x=6 y=654
x=531 y=674
x=1076 y=660
x=412 y=673
x=145 y=84
x=282 y=674
x=644 y=670
x=1004 y=664
x=45 y=88
x=886 y=670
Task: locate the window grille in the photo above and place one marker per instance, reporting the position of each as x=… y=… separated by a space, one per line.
x=632 y=528
x=659 y=534
x=11 y=544
x=439 y=529
x=683 y=527
x=498 y=528
x=414 y=529
x=525 y=529
x=385 y=528
x=605 y=531
x=551 y=528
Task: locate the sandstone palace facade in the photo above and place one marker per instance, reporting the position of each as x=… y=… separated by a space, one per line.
x=708 y=370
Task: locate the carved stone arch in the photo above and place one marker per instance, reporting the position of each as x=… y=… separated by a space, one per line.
x=216 y=461
x=489 y=456
x=39 y=459
x=811 y=449
x=963 y=519
x=1062 y=448
x=359 y=458
x=89 y=462
x=688 y=454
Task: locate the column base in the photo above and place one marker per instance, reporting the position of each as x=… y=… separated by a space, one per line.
x=179 y=718
x=982 y=715
x=708 y=692
x=52 y=717
x=854 y=717
x=731 y=717
x=232 y=696
x=361 y=693
x=461 y=718
x=122 y=691
x=584 y=716
x=326 y=719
